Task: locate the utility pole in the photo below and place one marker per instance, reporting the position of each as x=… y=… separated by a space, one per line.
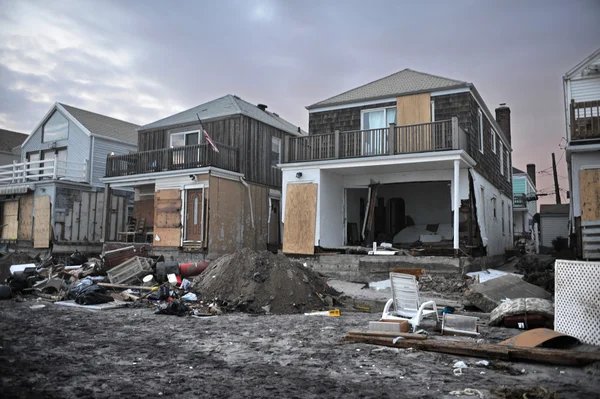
x=556 y=189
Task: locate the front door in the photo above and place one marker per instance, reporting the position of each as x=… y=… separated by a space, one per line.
x=194 y=215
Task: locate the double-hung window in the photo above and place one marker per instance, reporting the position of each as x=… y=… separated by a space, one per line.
x=178 y=141
x=480 y=129
x=374 y=124
x=493 y=140
x=275 y=151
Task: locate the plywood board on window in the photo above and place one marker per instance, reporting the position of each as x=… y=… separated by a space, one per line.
x=167 y=218
x=10 y=220
x=167 y=237
x=411 y=110
x=589 y=183
x=41 y=224
x=26 y=217
x=300 y=219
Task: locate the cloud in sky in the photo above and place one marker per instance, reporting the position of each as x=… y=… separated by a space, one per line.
x=144 y=60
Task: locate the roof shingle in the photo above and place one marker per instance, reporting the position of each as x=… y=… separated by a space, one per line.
x=403 y=82
x=10 y=139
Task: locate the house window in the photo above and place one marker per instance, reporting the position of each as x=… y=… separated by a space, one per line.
x=374 y=141
x=493 y=141
x=33 y=157
x=501 y=159
x=432 y=110
x=61 y=159
x=502 y=217
x=56 y=128
x=275 y=151
x=494 y=206
x=185 y=138
x=480 y=125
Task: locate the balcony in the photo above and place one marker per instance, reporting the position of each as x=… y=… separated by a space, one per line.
x=178 y=158
x=47 y=169
x=393 y=140
x=519 y=202
x=585 y=120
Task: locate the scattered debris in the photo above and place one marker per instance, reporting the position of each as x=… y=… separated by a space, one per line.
x=487 y=296
x=333 y=313
x=459 y=325
x=524 y=313
x=542 y=337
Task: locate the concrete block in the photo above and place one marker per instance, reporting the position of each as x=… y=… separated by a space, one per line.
x=487 y=296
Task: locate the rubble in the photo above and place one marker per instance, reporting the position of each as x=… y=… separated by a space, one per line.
x=487 y=296
x=249 y=280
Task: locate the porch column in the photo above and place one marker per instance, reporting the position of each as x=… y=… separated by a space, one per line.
x=456 y=202
x=106 y=213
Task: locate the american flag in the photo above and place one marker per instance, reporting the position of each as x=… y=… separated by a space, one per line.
x=206 y=135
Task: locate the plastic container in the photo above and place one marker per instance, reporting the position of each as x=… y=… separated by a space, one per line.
x=130 y=272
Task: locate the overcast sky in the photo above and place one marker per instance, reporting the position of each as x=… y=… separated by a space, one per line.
x=144 y=60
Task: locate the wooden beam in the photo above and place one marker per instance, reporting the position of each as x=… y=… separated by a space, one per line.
x=488 y=351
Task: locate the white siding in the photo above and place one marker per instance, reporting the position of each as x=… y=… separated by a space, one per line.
x=585 y=89
x=101 y=149
x=552 y=227
x=78 y=144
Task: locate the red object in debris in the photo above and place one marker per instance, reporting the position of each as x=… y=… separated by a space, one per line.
x=169 y=299
x=178 y=280
x=192 y=269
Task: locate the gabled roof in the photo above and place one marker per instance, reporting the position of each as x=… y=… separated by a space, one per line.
x=517 y=171
x=103 y=125
x=10 y=140
x=595 y=56
x=399 y=83
x=225 y=106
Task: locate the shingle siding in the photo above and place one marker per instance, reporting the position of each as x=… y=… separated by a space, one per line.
x=340 y=119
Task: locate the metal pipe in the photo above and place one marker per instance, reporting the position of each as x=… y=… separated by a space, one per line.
x=249 y=199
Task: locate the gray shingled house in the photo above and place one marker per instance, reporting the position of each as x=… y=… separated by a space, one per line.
x=55 y=194
x=412 y=159
x=192 y=199
x=10 y=146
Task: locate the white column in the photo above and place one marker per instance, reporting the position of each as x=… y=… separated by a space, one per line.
x=456 y=201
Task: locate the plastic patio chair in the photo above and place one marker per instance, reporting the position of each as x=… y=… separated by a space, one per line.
x=406 y=301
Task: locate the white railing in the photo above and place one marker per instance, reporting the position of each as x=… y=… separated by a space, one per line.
x=47 y=169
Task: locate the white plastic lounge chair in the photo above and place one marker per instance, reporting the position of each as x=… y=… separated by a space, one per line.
x=407 y=305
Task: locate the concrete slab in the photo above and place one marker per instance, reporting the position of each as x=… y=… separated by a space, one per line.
x=487 y=296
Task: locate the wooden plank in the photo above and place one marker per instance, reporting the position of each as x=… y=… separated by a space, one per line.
x=169 y=237
x=410 y=110
x=98 y=224
x=84 y=214
x=300 y=219
x=167 y=218
x=487 y=351
x=41 y=225
x=26 y=217
x=75 y=222
x=10 y=220
x=91 y=217
x=589 y=194
x=68 y=225
x=113 y=217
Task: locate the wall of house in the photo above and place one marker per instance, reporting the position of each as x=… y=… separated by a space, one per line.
x=7 y=158
x=99 y=150
x=330 y=197
x=580 y=160
x=340 y=119
x=77 y=143
x=496 y=239
x=251 y=137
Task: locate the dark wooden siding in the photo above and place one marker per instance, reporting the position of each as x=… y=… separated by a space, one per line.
x=251 y=137
x=340 y=119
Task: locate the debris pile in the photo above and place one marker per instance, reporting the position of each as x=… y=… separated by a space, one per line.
x=261 y=282
x=538 y=270
x=444 y=283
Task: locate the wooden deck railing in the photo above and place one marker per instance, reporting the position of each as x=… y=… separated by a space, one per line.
x=585 y=120
x=423 y=137
x=45 y=169
x=178 y=158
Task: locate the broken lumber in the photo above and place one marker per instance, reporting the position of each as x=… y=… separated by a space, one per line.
x=125 y=287
x=387 y=335
x=488 y=351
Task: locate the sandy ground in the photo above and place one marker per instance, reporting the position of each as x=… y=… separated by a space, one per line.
x=57 y=352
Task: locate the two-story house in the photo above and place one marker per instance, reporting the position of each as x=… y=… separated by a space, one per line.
x=409 y=158
x=54 y=195
x=524 y=199
x=206 y=179
x=582 y=114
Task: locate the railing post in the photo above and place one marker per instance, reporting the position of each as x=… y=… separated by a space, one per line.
x=14 y=172
x=572 y=117
x=55 y=168
x=391 y=139
x=286 y=148
x=336 y=144
x=455 y=143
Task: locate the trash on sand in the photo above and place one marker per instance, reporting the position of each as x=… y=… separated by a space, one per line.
x=466 y=392
x=5 y=292
x=38 y=306
x=102 y=306
x=175 y=308
x=484 y=363
x=333 y=313
x=461 y=365
x=18 y=269
x=92 y=295
x=172 y=278
x=149 y=280
x=190 y=296
x=542 y=337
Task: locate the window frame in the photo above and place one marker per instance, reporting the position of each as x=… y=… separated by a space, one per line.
x=44 y=140
x=501 y=159
x=480 y=128
x=279 y=146
x=184 y=134
x=503 y=230
x=431 y=111
x=364 y=111
x=494 y=134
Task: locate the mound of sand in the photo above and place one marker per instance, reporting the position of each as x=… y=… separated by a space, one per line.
x=261 y=282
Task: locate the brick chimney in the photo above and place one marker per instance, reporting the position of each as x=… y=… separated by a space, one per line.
x=503 y=119
x=531 y=172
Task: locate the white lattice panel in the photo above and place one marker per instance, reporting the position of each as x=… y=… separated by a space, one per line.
x=577 y=300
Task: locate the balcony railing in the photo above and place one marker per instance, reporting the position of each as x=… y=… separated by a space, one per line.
x=423 y=137
x=519 y=201
x=47 y=169
x=178 y=158
x=585 y=120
